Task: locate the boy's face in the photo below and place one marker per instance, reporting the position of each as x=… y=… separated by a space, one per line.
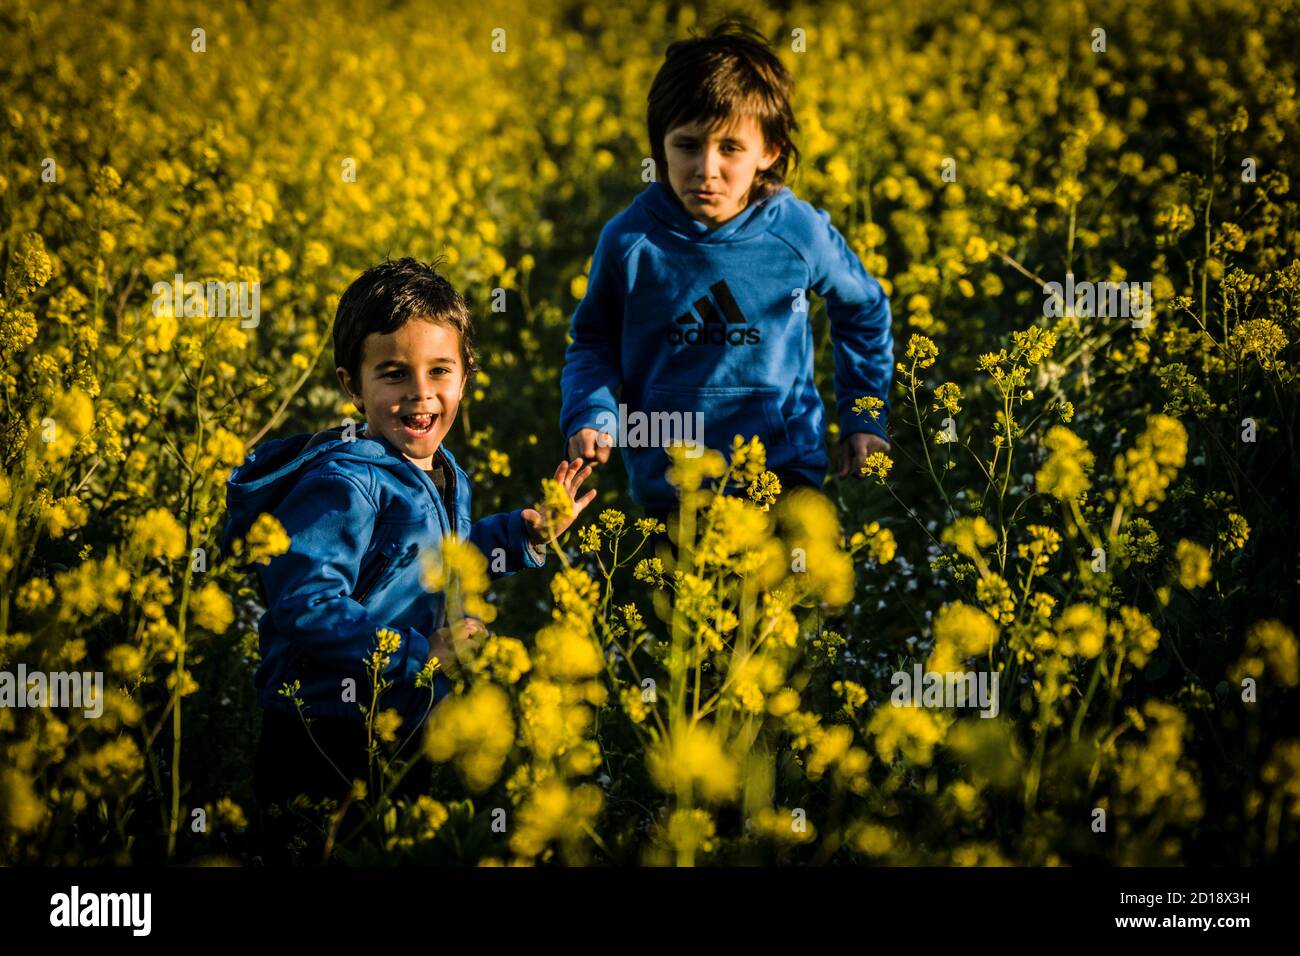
x=711 y=171
x=412 y=381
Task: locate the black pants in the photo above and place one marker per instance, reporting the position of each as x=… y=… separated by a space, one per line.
x=288 y=763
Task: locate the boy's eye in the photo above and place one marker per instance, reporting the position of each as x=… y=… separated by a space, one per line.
x=728 y=148
x=440 y=370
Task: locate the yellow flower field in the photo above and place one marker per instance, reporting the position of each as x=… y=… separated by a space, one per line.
x=1099 y=510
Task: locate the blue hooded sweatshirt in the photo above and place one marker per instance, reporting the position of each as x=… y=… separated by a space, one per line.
x=686 y=318
x=358 y=514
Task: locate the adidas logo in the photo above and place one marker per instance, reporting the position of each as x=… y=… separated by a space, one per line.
x=710 y=328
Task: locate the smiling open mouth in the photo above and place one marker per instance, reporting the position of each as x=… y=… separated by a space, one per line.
x=417 y=425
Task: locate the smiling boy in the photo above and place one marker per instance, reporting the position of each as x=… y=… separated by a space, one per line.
x=698 y=291
x=362 y=512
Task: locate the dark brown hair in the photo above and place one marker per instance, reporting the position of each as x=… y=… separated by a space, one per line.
x=387 y=296
x=728 y=73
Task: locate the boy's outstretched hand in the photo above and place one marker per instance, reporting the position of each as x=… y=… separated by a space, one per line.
x=570 y=476
x=855 y=449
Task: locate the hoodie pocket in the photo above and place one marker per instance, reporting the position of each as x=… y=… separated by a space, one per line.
x=366 y=583
x=721 y=413
x=371 y=576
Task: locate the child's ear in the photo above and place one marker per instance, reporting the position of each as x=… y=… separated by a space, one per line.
x=345 y=380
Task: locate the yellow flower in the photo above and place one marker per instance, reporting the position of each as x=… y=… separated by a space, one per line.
x=748 y=460
x=589 y=539
x=1153 y=776
x=90 y=587
x=505 y=658
x=70 y=420
x=315 y=254
x=948 y=397
x=458 y=569
x=476 y=731
x=1262 y=338
x=922 y=351
x=265 y=540
x=878 y=464
x=63 y=515
x=1064 y=474
x=1081 y=629
x=873 y=839
x=870 y=405
x=764 y=489
x=212 y=609
x=854 y=695
x=1270 y=642
x=689 y=831
x=21 y=807
x=879 y=542
x=1151 y=465
x=157 y=534
x=1234 y=537
x=387 y=723
x=566 y=652
x=553 y=812
x=784 y=826
x=557 y=505
x=35 y=594
x=694 y=758
x=995 y=594
x=969 y=535
x=388 y=640
x=912 y=732
x=1193 y=564
x=1135 y=635
x=687 y=473
x=649 y=526
x=230 y=814
x=961 y=631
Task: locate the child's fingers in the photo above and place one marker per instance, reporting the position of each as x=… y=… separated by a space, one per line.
x=581 y=503
x=576 y=478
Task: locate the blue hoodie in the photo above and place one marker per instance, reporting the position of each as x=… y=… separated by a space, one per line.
x=358 y=514
x=685 y=318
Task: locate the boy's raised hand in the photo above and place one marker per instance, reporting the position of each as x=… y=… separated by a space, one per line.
x=591 y=445
x=570 y=476
x=856 y=449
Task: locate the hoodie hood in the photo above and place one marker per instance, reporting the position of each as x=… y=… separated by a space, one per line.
x=658 y=200
x=272 y=469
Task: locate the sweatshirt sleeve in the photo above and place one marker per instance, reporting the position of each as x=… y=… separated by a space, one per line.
x=329 y=517
x=592 y=368
x=861 y=337
x=503 y=539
